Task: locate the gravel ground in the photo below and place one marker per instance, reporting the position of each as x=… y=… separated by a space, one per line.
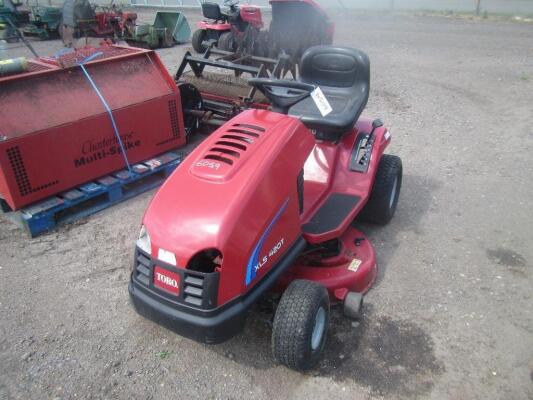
x=451 y=315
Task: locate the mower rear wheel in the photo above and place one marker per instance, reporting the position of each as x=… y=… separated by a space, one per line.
x=300 y=325
x=384 y=197
x=226 y=42
x=197 y=38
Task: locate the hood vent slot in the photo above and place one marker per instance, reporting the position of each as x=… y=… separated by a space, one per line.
x=244 y=132
x=231 y=144
x=219 y=158
x=241 y=138
x=254 y=127
x=229 y=152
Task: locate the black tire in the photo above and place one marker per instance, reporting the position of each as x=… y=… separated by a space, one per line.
x=294 y=323
x=226 y=42
x=197 y=38
x=383 y=200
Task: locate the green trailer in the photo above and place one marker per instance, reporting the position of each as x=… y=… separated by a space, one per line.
x=168 y=28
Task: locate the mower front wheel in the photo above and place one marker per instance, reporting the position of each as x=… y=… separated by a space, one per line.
x=300 y=325
x=383 y=199
x=197 y=38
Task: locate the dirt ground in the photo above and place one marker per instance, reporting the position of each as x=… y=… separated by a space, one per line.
x=451 y=314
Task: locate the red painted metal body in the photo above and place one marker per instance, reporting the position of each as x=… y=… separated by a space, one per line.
x=242 y=199
x=353 y=270
x=222 y=26
x=252 y=15
x=106 y=23
x=326 y=171
x=57 y=134
x=227 y=207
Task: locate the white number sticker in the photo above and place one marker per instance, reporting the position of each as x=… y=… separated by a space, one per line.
x=208 y=164
x=321 y=102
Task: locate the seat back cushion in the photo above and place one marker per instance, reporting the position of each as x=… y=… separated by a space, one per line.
x=211 y=11
x=334 y=66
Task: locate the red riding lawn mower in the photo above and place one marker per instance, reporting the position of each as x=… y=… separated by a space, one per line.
x=268 y=209
x=238 y=26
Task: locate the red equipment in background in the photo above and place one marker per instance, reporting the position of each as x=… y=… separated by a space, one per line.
x=236 y=27
x=84 y=18
x=56 y=133
x=112 y=21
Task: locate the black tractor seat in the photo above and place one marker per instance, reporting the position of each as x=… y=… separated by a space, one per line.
x=343 y=75
x=212 y=11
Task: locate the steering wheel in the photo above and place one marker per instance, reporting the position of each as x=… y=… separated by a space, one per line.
x=282 y=93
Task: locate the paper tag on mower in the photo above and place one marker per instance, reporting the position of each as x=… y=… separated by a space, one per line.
x=321 y=102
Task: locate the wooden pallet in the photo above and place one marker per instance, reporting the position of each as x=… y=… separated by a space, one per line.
x=94 y=196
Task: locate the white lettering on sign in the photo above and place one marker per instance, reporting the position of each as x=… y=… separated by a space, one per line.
x=166 y=280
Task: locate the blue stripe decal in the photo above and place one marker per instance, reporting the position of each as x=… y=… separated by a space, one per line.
x=251 y=269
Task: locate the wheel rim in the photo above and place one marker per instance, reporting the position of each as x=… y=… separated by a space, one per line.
x=319 y=328
x=393 y=193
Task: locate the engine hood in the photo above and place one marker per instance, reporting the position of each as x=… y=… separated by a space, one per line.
x=212 y=192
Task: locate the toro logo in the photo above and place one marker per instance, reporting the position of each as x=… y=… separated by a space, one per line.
x=167 y=280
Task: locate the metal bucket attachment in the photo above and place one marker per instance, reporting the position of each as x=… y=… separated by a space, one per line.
x=174 y=22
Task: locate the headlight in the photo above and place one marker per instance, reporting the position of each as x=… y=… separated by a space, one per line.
x=144 y=241
x=166 y=256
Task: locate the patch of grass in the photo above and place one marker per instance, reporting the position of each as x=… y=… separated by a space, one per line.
x=524 y=77
x=163 y=354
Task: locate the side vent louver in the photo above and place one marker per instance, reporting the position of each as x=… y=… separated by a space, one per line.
x=193 y=289
x=142 y=268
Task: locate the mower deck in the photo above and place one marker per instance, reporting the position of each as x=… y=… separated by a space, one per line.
x=354 y=269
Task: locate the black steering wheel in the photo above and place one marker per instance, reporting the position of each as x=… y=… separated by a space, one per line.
x=282 y=93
